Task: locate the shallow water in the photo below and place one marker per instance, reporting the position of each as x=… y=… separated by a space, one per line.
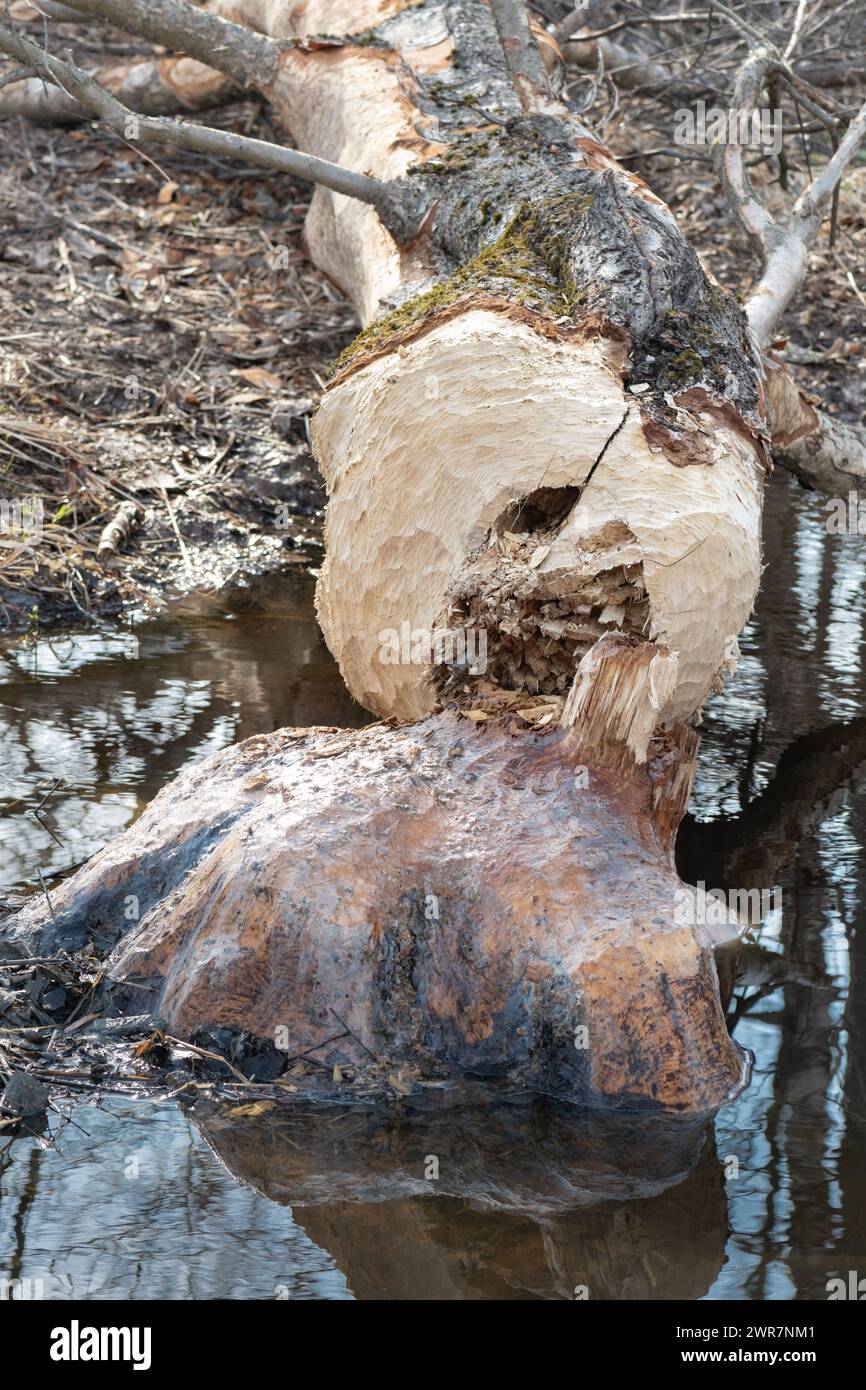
x=136 y=1200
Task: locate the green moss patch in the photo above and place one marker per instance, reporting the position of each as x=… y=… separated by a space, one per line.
x=527 y=264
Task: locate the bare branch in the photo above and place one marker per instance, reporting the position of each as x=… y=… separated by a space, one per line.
x=50 y=10
x=797 y=31
x=737 y=20
x=748 y=208
x=824 y=453
x=248 y=58
x=818 y=192
x=654 y=19
x=784 y=245
x=579 y=17
x=628 y=67
x=164 y=131
x=786 y=263
x=17 y=75
x=523 y=59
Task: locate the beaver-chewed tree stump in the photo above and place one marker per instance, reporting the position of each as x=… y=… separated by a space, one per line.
x=549 y=441
x=454 y=895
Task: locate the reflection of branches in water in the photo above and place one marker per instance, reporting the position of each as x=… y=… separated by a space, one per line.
x=19 y=1218
x=802 y=1124
x=106 y=727
x=199 y=682
x=798 y=1122
x=764 y=837
x=754 y=960
x=108 y=749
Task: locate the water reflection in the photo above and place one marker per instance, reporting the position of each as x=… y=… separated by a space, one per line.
x=116 y=713
x=798 y=1207
x=486 y=1198
x=126 y=1203
x=779 y=800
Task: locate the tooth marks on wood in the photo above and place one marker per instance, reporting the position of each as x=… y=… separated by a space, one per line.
x=538 y=625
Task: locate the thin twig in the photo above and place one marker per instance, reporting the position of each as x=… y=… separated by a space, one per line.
x=45 y=891
x=211 y=1056
x=180 y=540
x=523 y=58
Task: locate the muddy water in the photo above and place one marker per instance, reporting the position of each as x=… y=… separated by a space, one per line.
x=463 y=1199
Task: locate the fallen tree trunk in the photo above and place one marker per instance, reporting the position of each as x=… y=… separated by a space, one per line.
x=551 y=433
x=162 y=86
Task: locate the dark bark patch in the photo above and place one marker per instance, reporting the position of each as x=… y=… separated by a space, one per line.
x=680 y=448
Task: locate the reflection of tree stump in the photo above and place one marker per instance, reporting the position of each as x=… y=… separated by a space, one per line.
x=531 y=1201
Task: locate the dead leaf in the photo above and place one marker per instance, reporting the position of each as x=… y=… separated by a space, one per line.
x=259 y=377
x=156 y=1040
x=536 y=714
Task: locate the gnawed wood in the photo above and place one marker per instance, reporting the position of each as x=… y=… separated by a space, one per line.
x=552 y=428
x=619 y=693
x=119 y=530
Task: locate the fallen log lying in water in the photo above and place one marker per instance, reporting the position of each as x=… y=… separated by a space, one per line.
x=551 y=434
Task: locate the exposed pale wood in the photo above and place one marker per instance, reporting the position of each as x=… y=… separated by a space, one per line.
x=409 y=512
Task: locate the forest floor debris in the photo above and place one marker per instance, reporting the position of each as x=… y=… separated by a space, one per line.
x=62 y=1038
x=163 y=339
